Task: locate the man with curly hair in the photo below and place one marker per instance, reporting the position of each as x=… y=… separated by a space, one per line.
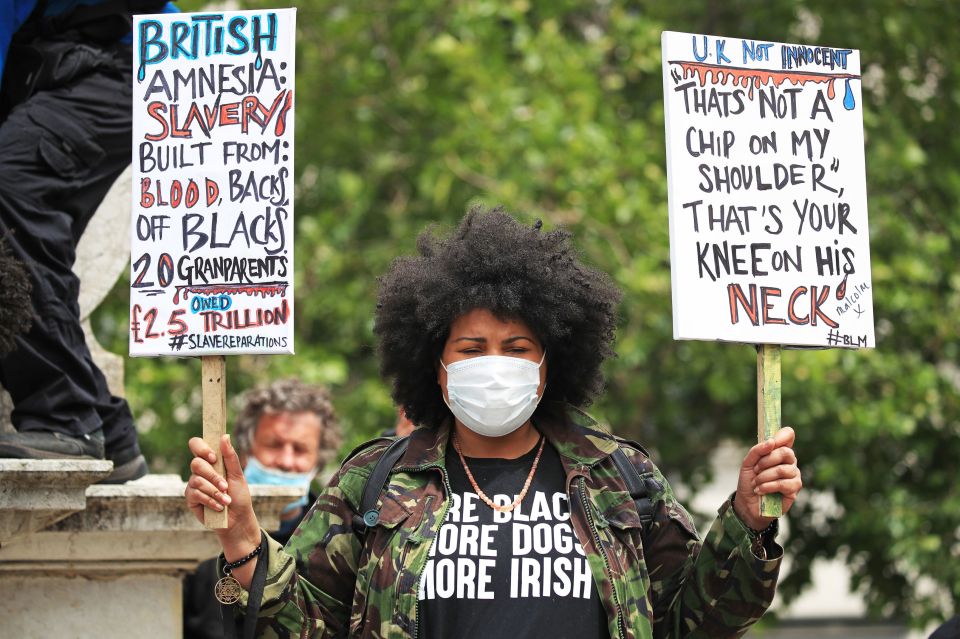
x=289 y=426
x=285 y=434
x=511 y=512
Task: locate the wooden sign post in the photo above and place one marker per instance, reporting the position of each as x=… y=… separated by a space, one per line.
x=214 y=372
x=769 y=242
x=768 y=411
x=212 y=197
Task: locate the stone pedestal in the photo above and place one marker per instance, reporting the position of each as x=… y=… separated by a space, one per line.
x=103 y=255
x=5 y=407
x=114 y=568
x=130 y=606
x=36 y=493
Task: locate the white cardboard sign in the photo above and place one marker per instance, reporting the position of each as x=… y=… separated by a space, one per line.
x=212 y=232
x=767 y=192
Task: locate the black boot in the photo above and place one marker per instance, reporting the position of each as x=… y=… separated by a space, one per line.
x=37 y=444
x=128 y=465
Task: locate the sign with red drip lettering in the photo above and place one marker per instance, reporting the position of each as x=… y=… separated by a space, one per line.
x=212 y=232
x=767 y=192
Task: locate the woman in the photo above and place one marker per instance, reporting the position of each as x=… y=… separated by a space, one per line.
x=506 y=515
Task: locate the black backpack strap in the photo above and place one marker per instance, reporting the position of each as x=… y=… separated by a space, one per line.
x=369 y=514
x=640 y=488
x=257 y=583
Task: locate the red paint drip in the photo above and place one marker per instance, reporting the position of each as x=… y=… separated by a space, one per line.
x=755 y=78
x=256 y=290
x=842 y=289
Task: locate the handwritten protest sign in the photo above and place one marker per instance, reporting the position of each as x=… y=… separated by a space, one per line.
x=212 y=236
x=767 y=192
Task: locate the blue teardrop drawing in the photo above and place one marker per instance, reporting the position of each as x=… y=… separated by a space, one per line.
x=258 y=64
x=848 y=102
x=141 y=72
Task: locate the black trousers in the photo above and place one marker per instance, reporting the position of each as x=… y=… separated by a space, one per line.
x=60 y=151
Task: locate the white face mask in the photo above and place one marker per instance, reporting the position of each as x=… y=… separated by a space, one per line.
x=257 y=473
x=493 y=395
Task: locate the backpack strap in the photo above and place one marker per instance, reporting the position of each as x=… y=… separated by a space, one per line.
x=369 y=514
x=228 y=612
x=640 y=488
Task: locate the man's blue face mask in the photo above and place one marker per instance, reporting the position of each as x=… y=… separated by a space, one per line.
x=257 y=473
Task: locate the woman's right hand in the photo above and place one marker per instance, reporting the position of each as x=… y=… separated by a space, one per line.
x=207 y=488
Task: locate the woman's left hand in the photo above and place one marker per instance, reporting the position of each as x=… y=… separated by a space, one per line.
x=769 y=467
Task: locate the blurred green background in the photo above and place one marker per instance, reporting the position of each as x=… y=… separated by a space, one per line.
x=409 y=111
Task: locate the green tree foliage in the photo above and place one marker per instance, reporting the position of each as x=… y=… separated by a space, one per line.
x=408 y=111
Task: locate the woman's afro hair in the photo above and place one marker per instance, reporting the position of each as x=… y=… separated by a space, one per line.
x=16 y=311
x=519 y=272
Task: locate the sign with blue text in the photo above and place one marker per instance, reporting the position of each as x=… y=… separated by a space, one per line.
x=212 y=232
x=767 y=192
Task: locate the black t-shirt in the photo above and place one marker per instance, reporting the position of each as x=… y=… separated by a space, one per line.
x=515 y=574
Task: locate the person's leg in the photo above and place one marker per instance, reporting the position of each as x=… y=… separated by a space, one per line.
x=63 y=149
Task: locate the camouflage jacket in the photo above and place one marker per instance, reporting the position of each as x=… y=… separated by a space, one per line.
x=329 y=581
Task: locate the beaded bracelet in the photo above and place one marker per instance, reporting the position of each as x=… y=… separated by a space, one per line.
x=228 y=589
x=229 y=566
x=758 y=537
